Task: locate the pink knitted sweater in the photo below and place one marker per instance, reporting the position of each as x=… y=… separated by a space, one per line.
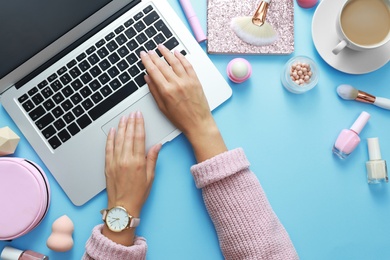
x=246 y=225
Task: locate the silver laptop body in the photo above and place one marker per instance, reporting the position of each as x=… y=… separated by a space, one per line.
x=78 y=163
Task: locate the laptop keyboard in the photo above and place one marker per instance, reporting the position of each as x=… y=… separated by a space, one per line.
x=97 y=79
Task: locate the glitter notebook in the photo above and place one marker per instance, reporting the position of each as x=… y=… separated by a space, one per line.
x=221 y=39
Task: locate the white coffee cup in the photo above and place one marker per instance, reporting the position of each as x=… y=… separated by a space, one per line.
x=363 y=25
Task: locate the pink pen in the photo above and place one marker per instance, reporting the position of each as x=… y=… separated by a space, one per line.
x=193 y=20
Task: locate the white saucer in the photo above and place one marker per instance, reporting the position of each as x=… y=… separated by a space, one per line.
x=325 y=39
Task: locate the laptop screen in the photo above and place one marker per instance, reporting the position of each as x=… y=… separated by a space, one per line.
x=27 y=27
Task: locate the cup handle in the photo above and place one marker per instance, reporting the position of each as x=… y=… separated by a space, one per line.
x=339 y=47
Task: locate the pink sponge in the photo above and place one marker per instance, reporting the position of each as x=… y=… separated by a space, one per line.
x=61 y=239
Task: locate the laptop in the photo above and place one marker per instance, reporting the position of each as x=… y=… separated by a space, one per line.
x=70 y=69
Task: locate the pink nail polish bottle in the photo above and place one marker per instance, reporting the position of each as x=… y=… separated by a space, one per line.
x=10 y=253
x=348 y=139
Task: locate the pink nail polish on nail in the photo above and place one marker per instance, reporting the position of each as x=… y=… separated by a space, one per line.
x=349 y=139
x=138 y=114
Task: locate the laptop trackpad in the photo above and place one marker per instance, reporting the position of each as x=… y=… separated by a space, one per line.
x=158 y=128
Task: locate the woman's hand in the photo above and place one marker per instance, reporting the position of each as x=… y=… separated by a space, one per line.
x=129 y=173
x=179 y=95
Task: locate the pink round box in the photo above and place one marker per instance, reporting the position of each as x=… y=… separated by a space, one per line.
x=24 y=197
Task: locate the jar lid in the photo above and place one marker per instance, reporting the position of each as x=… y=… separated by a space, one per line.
x=25 y=197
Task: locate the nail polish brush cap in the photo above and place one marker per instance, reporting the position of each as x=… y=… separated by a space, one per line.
x=359 y=124
x=374 y=151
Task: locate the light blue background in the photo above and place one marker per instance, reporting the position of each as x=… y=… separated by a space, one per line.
x=324 y=203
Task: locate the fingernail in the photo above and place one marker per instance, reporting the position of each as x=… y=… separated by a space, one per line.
x=123 y=119
x=132 y=115
x=143 y=54
x=161 y=46
x=138 y=114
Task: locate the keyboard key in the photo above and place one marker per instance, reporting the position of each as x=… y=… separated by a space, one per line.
x=58 y=98
x=96 y=97
x=122 y=65
x=121 y=39
x=103 y=52
x=139 y=26
x=42 y=84
x=47 y=92
x=71 y=64
x=33 y=91
x=48 y=132
x=124 y=77
x=61 y=70
x=115 y=84
x=90 y=50
x=84 y=65
x=85 y=91
x=56 y=85
x=76 y=85
x=64 y=136
x=93 y=59
x=83 y=121
x=54 y=142
x=104 y=64
x=110 y=36
x=160 y=26
x=148 y=9
x=151 y=18
x=28 y=105
x=100 y=43
x=130 y=33
x=112 y=46
x=113 y=72
x=76 y=98
x=59 y=124
x=65 y=79
x=140 y=80
x=67 y=91
x=119 y=29
x=95 y=71
x=150 y=32
x=37 y=99
x=52 y=77
x=134 y=71
x=57 y=112
x=150 y=45
x=141 y=65
x=141 y=38
x=132 y=45
x=78 y=111
x=22 y=98
x=106 y=90
x=73 y=129
x=171 y=43
x=129 y=22
x=104 y=78
x=131 y=59
x=138 y=51
x=123 y=51
x=95 y=85
x=81 y=57
x=68 y=117
x=44 y=121
x=183 y=52
x=48 y=104
x=75 y=72
x=138 y=16
x=66 y=105
x=87 y=104
x=159 y=38
x=113 y=58
x=85 y=78
x=112 y=100
x=37 y=113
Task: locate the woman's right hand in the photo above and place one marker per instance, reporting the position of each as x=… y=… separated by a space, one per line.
x=179 y=95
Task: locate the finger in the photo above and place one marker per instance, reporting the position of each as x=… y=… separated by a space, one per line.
x=120 y=135
x=153 y=71
x=151 y=161
x=163 y=67
x=173 y=61
x=186 y=64
x=139 y=139
x=128 y=145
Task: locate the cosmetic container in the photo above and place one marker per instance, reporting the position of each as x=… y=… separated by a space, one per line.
x=10 y=253
x=348 y=139
x=25 y=194
x=376 y=167
x=290 y=73
x=239 y=70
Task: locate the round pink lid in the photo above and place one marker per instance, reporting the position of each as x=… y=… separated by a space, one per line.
x=24 y=194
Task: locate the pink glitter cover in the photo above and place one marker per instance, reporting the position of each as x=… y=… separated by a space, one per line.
x=221 y=39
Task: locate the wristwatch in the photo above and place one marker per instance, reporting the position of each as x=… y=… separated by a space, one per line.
x=118 y=219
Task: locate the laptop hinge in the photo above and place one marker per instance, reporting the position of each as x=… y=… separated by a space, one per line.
x=74 y=45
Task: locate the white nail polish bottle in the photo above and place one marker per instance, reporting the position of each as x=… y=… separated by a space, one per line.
x=376 y=167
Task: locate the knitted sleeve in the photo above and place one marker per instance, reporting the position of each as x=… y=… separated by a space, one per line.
x=99 y=247
x=246 y=225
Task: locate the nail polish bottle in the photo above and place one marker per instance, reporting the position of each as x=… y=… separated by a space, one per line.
x=376 y=167
x=348 y=139
x=10 y=253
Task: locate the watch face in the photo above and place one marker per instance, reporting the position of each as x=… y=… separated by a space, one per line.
x=117 y=219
